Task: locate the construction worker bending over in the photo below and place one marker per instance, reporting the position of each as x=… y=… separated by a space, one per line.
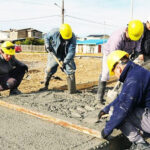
x=127 y=39
x=130 y=111
x=11 y=70
x=62 y=44
x=145 y=45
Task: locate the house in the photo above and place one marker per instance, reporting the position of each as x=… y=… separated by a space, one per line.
x=90 y=46
x=24 y=33
x=4 y=35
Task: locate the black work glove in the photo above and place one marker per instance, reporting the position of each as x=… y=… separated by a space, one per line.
x=64 y=65
x=48 y=49
x=104 y=136
x=101 y=113
x=26 y=68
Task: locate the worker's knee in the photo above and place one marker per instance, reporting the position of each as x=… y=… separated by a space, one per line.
x=50 y=70
x=11 y=83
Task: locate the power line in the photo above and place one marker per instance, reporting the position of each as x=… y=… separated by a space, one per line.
x=90 y=21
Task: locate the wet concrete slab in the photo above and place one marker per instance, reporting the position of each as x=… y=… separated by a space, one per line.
x=81 y=108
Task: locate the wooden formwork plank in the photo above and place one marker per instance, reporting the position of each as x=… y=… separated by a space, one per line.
x=82 y=86
x=52 y=119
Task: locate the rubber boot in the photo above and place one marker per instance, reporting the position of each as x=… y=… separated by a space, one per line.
x=46 y=84
x=71 y=84
x=14 y=92
x=101 y=91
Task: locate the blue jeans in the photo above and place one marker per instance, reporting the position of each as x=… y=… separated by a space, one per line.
x=52 y=66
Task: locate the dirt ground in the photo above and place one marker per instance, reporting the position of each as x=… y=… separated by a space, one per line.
x=88 y=70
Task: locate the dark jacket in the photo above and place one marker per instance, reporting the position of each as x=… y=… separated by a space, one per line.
x=145 y=45
x=53 y=41
x=135 y=93
x=7 y=66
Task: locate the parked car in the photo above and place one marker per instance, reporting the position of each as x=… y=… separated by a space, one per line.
x=18 y=48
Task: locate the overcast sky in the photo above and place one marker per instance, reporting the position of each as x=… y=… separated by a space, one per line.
x=85 y=16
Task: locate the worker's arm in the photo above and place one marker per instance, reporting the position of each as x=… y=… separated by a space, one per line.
x=18 y=63
x=47 y=39
x=71 y=50
x=139 y=49
x=125 y=102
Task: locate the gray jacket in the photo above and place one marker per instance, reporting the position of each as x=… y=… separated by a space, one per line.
x=53 y=41
x=7 y=66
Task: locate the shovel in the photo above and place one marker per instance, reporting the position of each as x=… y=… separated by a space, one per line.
x=70 y=78
x=59 y=63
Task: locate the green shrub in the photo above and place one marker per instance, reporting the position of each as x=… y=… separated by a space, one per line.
x=31 y=41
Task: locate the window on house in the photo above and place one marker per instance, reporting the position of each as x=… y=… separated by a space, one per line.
x=33 y=33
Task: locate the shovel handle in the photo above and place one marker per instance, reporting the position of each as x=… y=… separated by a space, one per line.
x=59 y=63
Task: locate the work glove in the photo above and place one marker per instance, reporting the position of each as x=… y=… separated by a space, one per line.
x=101 y=113
x=103 y=135
x=106 y=137
x=26 y=68
x=48 y=49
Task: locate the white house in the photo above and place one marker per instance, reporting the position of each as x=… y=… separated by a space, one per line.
x=90 y=46
x=4 y=35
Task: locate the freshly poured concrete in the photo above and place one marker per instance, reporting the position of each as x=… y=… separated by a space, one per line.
x=21 y=131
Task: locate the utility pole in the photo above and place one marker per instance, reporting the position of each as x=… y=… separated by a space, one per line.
x=131 y=9
x=62 y=11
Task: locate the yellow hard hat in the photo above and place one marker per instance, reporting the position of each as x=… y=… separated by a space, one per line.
x=8 y=48
x=66 y=31
x=135 y=29
x=113 y=58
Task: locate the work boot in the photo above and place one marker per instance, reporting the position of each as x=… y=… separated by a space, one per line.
x=139 y=146
x=46 y=84
x=14 y=92
x=101 y=91
x=71 y=83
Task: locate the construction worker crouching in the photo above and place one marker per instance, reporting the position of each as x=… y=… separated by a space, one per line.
x=11 y=70
x=131 y=109
x=60 y=44
x=128 y=39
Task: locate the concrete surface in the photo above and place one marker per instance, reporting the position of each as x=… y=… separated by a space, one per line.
x=19 y=131
x=25 y=132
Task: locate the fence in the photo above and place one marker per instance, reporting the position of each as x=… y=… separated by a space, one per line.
x=33 y=48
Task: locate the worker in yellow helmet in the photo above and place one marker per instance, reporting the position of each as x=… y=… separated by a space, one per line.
x=60 y=44
x=11 y=70
x=145 y=45
x=128 y=39
x=130 y=111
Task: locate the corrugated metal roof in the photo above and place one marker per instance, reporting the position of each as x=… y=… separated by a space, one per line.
x=92 y=41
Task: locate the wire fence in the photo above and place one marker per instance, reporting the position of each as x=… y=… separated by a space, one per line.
x=33 y=48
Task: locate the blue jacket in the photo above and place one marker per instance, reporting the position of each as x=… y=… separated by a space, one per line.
x=135 y=93
x=53 y=41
